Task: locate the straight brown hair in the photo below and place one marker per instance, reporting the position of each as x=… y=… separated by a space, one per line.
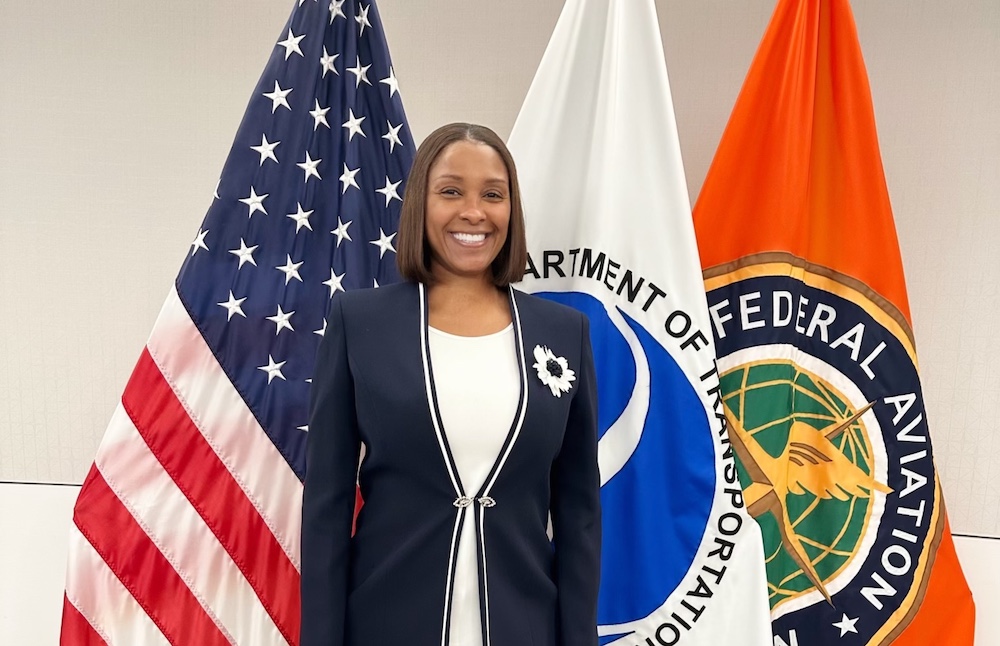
x=413 y=255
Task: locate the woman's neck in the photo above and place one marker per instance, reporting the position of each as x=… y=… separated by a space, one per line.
x=467 y=307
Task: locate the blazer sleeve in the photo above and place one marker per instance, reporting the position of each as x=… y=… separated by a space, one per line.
x=576 y=510
x=328 y=498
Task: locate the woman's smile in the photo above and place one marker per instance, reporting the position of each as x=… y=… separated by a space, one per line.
x=471 y=239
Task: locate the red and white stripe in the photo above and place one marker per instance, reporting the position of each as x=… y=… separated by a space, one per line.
x=187 y=527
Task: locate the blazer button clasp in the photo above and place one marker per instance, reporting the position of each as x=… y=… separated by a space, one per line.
x=464 y=501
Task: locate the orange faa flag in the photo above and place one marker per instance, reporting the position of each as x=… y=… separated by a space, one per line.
x=816 y=354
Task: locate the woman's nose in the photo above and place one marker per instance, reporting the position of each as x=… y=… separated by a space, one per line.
x=473 y=212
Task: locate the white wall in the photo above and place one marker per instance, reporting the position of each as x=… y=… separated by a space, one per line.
x=116 y=118
x=33 y=545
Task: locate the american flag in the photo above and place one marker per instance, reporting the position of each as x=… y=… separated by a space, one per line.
x=186 y=530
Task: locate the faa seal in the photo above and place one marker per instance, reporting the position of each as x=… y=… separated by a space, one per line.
x=826 y=417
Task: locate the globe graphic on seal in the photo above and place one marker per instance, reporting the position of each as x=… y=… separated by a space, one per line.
x=805 y=463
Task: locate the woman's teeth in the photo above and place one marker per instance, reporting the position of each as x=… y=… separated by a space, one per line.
x=469 y=238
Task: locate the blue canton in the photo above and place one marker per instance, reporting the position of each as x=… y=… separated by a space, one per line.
x=307 y=205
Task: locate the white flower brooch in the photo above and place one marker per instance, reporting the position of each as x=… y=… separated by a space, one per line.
x=553 y=371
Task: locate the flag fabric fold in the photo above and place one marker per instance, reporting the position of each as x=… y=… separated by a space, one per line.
x=186 y=529
x=816 y=354
x=609 y=232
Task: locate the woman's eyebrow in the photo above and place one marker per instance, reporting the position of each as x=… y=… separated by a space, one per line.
x=491 y=180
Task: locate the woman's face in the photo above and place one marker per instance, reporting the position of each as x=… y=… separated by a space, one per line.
x=467 y=210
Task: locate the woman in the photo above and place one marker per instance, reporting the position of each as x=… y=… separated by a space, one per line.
x=476 y=405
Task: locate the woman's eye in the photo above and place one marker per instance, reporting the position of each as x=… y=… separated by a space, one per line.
x=449 y=191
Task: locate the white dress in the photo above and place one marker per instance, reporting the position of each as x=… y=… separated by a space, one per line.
x=478 y=386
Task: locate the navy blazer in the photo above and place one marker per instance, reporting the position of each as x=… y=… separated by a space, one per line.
x=391 y=583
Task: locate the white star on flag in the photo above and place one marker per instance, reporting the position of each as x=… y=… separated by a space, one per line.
x=336 y=9
x=361 y=72
x=273 y=369
x=846 y=625
x=266 y=149
x=341 y=231
x=389 y=191
x=278 y=97
x=291 y=44
x=326 y=62
x=322 y=330
x=255 y=202
x=353 y=125
x=391 y=82
x=233 y=306
x=245 y=254
x=301 y=218
x=199 y=242
x=319 y=116
x=362 y=19
x=347 y=179
x=291 y=269
x=309 y=166
x=334 y=283
x=281 y=320
x=393 y=136
x=384 y=242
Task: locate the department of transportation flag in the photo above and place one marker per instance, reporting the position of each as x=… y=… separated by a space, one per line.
x=609 y=232
x=816 y=354
x=186 y=530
